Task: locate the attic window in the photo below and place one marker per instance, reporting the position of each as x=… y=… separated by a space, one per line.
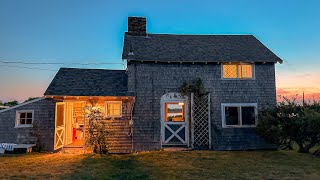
x=237 y=71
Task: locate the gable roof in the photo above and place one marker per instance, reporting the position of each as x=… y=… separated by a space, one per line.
x=88 y=82
x=196 y=48
x=22 y=104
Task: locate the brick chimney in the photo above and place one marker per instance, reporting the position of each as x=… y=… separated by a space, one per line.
x=137 y=26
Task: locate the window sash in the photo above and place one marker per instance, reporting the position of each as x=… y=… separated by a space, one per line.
x=240 y=120
x=174 y=119
x=114 y=108
x=24 y=118
x=240 y=70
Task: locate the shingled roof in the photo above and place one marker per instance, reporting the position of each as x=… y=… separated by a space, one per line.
x=196 y=48
x=88 y=82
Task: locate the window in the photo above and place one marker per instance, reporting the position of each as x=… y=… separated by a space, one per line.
x=237 y=71
x=174 y=112
x=114 y=108
x=24 y=118
x=239 y=115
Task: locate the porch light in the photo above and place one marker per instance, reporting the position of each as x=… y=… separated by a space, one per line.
x=181 y=103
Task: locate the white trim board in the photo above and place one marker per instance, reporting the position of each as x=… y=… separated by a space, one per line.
x=18 y=118
x=22 y=104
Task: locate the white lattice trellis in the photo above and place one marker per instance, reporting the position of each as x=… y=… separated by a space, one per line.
x=200 y=121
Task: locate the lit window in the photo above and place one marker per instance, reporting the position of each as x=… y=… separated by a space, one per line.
x=174 y=112
x=239 y=115
x=24 y=118
x=114 y=108
x=237 y=71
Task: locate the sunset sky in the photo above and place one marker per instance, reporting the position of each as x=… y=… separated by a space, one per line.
x=79 y=32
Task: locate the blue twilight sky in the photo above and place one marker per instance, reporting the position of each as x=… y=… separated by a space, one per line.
x=92 y=31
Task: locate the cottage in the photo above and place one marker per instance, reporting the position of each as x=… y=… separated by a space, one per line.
x=144 y=103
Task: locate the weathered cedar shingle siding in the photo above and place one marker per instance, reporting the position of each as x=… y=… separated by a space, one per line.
x=44 y=111
x=150 y=81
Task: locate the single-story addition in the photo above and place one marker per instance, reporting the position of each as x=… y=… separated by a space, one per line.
x=144 y=103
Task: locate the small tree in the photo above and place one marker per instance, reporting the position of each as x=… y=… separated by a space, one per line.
x=11 y=103
x=31 y=98
x=196 y=87
x=291 y=122
x=97 y=131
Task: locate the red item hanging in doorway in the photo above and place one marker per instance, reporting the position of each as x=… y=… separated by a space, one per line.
x=74 y=132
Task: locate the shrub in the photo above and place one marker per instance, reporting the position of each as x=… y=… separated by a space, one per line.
x=291 y=122
x=97 y=130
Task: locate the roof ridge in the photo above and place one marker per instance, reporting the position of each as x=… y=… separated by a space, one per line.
x=93 y=69
x=200 y=34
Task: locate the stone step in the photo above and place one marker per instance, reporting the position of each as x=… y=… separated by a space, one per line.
x=117 y=143
x=120 y=151
x=74 y=151
x=118 y=140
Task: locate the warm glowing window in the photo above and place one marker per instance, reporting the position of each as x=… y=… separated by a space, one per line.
x=24 y=118
x=114 y=108
x=237 y=71
x=237 y=115
x=174 y=112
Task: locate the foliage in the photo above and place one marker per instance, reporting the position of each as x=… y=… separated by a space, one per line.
x=196 y=87
x=11 y=103
x=97 y=130
x=290 y=123
x=1 y=103
x=31 y=98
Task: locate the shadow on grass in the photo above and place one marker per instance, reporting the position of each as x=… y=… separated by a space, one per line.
x=109 y=167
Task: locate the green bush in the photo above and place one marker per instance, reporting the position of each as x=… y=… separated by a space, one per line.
x=97 y=131
x=290 y=123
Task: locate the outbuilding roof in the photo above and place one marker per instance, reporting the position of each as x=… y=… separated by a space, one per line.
x=196 y=48
x=88 y=82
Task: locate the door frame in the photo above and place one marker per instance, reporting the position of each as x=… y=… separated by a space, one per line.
x=62 y=134
x=68 y=123
x=174 y=98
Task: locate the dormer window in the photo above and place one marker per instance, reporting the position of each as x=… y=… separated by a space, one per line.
x=237 y=71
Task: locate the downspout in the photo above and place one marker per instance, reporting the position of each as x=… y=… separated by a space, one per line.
x=131 y=122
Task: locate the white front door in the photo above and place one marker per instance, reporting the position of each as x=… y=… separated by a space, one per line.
x=59 y=134
x=174 y=122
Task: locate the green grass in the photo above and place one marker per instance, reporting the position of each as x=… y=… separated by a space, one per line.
x=164 y=165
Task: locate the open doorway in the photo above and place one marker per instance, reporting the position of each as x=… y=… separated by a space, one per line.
x=75 y=123
x=69 y=124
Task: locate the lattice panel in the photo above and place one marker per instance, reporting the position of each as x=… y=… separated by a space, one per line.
x=200 y=108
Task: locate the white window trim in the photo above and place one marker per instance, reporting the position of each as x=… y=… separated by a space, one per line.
x=223 y=105
x=253 y=72
x=17 y=125
x=106 y=108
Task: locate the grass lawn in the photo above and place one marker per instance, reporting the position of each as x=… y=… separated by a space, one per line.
x=164 y=165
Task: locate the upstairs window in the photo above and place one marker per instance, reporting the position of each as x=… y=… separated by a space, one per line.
x=114 y=108
x=24 y=118
x=237 y=71
x=239 y=115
